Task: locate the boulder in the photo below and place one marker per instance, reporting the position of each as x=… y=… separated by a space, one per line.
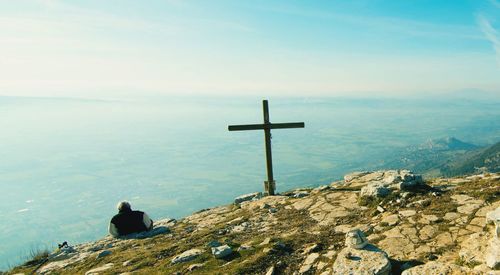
x=222 y=251
x=375 y=189
x=248 y=197
x=369 y=260
x=187 y=256
x=404 y=180
x=355 y=239
x=410 y=185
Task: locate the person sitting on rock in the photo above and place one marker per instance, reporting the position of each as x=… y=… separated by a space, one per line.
x=128 y=221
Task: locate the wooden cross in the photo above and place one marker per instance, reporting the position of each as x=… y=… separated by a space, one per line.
x=269 y=185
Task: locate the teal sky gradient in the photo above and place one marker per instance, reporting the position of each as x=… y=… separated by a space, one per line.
x=289 y=48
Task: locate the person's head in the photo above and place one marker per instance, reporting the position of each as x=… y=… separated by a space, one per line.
x=123 y=206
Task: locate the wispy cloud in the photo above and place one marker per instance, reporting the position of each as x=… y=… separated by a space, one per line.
x=495 y=3
x=386 y=23
x=490 y=33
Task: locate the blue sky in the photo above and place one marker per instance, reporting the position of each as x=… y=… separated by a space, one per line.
x=286 y=48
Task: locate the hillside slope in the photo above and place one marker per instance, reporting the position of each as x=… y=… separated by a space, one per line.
x=484 y=160
x=422 y=228
x=427 y=158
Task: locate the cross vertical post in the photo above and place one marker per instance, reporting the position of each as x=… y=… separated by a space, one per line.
x=269 y=184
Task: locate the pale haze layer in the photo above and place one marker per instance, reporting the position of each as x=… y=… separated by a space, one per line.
x=289 y=48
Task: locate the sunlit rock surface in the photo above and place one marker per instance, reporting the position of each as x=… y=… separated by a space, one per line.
x=442 y=226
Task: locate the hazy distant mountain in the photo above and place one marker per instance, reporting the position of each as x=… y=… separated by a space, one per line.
x=432 y=156
x=445 y=144
x=446 y=157
x=482 y=160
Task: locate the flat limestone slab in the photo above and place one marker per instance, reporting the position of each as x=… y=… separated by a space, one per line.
x=439 y=268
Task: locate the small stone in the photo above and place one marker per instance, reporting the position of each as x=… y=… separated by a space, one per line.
x=248 y=197
x=355 y=239
x=222 y=251
x=103 y=254
x=380 y=209
x=245 y=247
x=300 y=194
x=96 y=271
x=127 y=263
x=195 y=266
x=187 y=256
x=270 y=271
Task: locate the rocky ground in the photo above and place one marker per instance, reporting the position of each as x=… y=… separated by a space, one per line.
x=443 y=226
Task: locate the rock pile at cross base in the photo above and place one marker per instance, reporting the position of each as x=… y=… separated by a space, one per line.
x=384 y=222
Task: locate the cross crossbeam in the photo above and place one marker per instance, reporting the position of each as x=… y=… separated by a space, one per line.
x=266 y=126
x=269 y=185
